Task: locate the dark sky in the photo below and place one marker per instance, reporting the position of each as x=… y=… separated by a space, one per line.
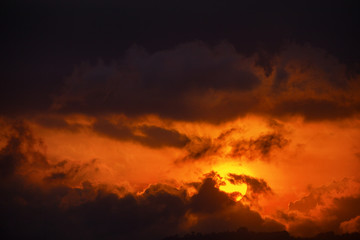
x=43 y=40
x=91 y=29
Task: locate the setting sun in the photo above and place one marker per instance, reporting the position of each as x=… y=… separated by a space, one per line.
x=237 y=191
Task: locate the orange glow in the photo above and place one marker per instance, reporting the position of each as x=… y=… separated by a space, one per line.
x=238 y=190
x=289 y=170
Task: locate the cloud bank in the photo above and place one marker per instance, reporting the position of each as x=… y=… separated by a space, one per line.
x=196 y=82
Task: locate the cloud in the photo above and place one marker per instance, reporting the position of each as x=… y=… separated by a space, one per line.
x=338 y=217
x=151 y=136
x=22 y=150
x=350 y=226
x=124 y=129
x=328 y=208
x=198 y=148
x=209 y=199
x=262 y=145
x=60 y=201
x=255 y=186
x=56 y=122
x=71 y=173
x=317 y=109
x=93 y=212
x=196 y=82
x=322 y=196
x=184 y=83
x=214 y=210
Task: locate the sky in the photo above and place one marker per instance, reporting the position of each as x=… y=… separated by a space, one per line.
x=145 y=119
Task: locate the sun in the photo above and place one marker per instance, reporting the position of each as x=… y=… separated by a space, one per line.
x=237 y=191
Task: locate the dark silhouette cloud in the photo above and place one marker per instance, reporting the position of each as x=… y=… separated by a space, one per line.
x=260 y=147
x=195 y=81
x=209 y=198
x=313 y=109
x=93 y=213
x=175 y=77
x=263 y=145
x=255 y=186
x=151 y=136
x=171 y=83
x=56 y=122
x=156 y=137
x=22 y=150
x=199 y=148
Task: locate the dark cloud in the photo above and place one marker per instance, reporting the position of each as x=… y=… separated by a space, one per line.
x=264 y=60
x=151 y=136
x=92 y=213
x=171 y=83
x=263 y=145
x=52 y=209
x=112 y=130
x=255 y=186
x=345 y=208
x=199 y=82
x=216 y=210
x=157 y=137
x=202 y=147
x=199 y=148
x=36 y=213
x=196 y=81
x=71 y=172
x=314 y=109
x=171 y=79
x=305 y=227
x=280 y=78
x=21 y=149
x=56 y=122
x=209 y=198
x=260 y=147
x=56 y=176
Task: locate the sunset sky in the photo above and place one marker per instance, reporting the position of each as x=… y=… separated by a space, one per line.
x=145 y=119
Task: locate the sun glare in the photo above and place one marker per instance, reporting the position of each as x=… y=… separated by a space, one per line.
x=236 y=190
